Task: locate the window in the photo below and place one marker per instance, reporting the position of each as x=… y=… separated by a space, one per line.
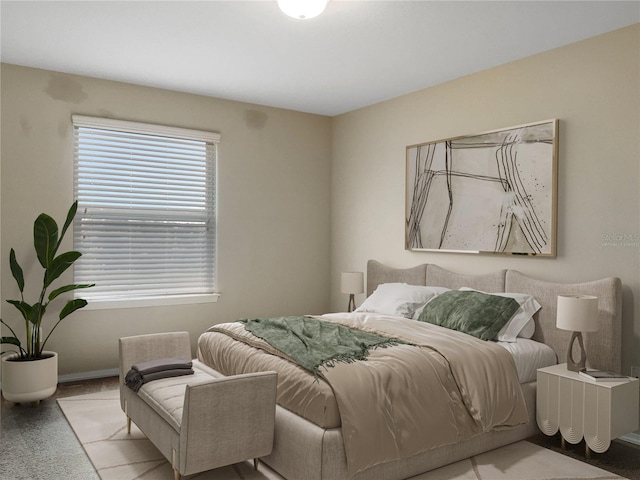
x=146 y=209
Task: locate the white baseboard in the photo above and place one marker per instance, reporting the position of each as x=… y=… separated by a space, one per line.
x=76 y=377
x=633 y=437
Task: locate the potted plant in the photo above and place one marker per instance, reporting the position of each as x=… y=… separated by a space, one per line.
x=31 y=373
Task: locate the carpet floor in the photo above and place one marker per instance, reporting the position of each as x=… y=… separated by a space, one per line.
x=99 y=425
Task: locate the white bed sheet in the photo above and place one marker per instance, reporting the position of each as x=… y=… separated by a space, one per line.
x=529 y=356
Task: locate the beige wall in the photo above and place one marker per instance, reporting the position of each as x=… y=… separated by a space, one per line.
x=298 y=189
x=592 y=87
x=273 y=203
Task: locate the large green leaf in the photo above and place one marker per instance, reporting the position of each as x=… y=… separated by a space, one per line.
x=45 y=238
x=15 y=342
x=70 y=216
x=16 y=270
x=25 y=309
x=58 y=265
x=11 y=340
x=9 y=327
x=72 y=306
x=68 y=288
x=37 y=313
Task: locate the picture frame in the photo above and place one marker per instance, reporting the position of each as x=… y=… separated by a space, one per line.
x=493 y=192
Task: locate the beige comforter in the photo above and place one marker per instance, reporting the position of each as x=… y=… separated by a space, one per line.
x=408 y=399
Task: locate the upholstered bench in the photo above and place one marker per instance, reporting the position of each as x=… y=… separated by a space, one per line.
x=200 y=421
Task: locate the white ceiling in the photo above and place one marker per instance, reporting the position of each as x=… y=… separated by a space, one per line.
x=355 y=54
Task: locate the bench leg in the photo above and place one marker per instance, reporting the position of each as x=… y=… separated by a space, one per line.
x=176 y=473
x=255 y=463
x=129 y=425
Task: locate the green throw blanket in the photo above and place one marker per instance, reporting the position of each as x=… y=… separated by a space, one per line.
x=312 y=343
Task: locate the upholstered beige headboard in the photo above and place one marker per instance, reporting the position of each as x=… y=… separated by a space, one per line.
x=604 y=347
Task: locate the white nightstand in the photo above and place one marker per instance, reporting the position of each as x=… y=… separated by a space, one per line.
x=581 y=408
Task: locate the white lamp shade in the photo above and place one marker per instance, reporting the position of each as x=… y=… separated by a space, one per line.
x=352 y=282
x=302 y=9
x=577 y=313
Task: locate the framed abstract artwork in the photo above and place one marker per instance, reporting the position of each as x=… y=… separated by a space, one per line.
x=494 y=192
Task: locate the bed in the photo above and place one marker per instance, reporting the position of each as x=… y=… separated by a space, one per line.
x=311 y=438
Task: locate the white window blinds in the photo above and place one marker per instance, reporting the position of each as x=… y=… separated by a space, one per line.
x=146 y=209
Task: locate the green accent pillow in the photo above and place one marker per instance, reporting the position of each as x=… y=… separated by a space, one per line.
x=476 y=313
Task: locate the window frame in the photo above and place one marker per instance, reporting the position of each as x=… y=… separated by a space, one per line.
x=118 y=301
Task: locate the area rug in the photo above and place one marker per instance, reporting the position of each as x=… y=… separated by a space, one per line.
x=100 y=426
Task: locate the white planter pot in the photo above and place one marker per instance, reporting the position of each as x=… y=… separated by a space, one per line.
x=30 y=381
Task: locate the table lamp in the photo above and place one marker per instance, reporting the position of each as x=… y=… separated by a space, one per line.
x=577 y=313
x=352 y=283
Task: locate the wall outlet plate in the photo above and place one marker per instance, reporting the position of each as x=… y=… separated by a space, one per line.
x=635 y=371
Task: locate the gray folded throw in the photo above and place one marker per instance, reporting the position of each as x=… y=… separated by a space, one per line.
x=160 y=364
x=144 y=372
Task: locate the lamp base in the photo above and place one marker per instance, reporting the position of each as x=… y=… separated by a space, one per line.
x=571 y=363
x=352 y=303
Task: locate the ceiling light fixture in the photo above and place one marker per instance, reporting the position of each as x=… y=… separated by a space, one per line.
x=302 y=9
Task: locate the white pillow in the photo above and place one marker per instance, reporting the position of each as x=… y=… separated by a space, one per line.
x=521 y=323
x=399 y=299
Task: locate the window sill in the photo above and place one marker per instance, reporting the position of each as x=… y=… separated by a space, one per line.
x=151 y=301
